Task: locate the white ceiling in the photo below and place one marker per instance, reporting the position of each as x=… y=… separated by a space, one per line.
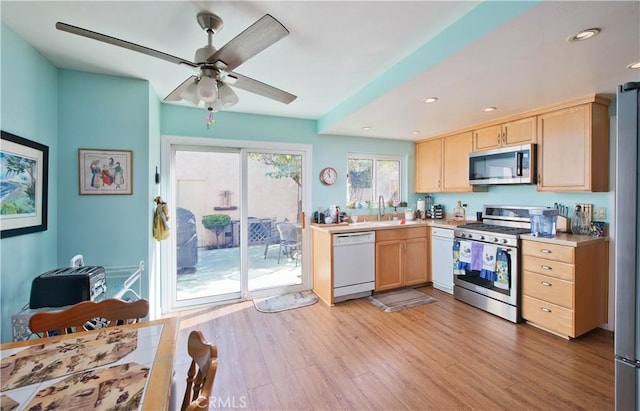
x=363 y=63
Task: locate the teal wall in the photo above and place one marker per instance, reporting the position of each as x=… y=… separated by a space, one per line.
x=28 y=108
x=103 y=112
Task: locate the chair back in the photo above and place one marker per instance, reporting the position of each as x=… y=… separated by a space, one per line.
x=288 y=232
x=202 y=372
x=111 y=312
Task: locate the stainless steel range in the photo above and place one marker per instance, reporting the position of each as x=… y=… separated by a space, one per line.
x=486 y=255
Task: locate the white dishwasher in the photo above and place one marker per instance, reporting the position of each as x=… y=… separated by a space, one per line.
x=442 y=259
x=354 y=258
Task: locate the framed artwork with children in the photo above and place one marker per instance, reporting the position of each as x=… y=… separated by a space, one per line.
x=105 y=171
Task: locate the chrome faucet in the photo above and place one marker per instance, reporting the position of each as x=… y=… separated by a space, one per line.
x=380 y=207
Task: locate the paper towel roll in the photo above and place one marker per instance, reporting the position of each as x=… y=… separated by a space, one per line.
x=421 y=206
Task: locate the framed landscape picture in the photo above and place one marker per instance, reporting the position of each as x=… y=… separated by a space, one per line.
x=24 y=173
x=105 y=171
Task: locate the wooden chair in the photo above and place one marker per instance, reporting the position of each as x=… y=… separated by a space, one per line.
x=201 y=374
x=78 y=317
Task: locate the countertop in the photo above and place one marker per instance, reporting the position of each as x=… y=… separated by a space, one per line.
x=565 y=239
x=385 y=225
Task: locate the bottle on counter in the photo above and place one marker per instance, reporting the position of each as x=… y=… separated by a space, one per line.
x=579 y=223
x=459 y=212
x=394 y=215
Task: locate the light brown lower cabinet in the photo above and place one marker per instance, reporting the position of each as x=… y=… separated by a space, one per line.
x=401 y=258
x=565 y=287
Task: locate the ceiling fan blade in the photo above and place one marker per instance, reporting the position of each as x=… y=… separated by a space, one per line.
x=255 y=38
x=176 y=94
x=257 y=87
x=122 y=43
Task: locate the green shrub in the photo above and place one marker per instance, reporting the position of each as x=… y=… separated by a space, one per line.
x=216 y=222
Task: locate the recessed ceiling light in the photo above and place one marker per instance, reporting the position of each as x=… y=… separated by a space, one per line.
x=366 y=128
x=415 y=133
x=488 y=109
x=430 y=100
x=635 y=65
x=584 y=34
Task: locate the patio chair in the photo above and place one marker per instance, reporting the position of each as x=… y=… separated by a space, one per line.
x=202 y=372
x=271 y=236
x=289 y=243
x=88 y=315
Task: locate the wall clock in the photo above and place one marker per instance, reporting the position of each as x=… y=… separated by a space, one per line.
x=328 y=176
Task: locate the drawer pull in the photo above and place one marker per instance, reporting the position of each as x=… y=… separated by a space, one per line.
x=545 y=309
x=545 y=251
x=545 y=267
x=546 y=284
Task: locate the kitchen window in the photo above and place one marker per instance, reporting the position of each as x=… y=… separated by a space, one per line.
x=370 y=176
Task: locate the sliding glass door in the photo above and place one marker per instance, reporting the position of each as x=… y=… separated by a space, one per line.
x=237 y=231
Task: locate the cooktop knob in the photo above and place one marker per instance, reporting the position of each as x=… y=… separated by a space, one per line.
x=495 y=240
x=504 y=241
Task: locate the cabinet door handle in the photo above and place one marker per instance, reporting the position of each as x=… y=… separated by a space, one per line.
x=438 y=183
x=546 y=284
x=545 y=309
x=545 y=267
x=544 y=250
x=498 y=137
x=504 y=137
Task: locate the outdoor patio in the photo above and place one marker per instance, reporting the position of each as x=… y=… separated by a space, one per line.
x=218 y=271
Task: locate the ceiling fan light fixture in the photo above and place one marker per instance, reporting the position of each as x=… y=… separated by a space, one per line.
x=635 y=65
x=190 y=94
x=227 y=96
x=207 y=89
x=213 y=106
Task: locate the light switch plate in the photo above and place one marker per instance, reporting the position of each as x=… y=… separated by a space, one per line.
x=600 y=213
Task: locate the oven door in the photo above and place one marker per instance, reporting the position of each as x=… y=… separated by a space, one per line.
x=505 y=289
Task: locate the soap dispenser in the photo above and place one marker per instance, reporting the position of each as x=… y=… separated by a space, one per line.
x=459 y=212
x=394 y=215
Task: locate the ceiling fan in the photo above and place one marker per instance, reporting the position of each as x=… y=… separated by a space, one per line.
x=216 y=75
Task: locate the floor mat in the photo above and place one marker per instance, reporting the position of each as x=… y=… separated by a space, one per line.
x=285 y=302
x=400 y=299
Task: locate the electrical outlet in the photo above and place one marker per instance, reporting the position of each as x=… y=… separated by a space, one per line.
x=600 y=213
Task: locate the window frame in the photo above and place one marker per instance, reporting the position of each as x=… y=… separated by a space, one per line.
x=376 y=158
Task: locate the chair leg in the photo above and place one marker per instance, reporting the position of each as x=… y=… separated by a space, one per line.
x=266 y=248
x=279 y=252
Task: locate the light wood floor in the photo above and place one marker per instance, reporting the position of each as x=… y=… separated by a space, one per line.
x=445 y=355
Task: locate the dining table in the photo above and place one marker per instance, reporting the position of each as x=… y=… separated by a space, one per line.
x=124 y=367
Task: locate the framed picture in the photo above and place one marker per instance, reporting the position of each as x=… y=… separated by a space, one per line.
x=105 y=171
x=24 y=173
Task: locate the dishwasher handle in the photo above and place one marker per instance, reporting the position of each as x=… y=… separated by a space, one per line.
x=354 y=238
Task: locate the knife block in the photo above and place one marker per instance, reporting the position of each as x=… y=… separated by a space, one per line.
x=562 y=224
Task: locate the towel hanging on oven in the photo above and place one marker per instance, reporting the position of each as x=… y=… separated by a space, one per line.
x=502 y=270
x=488 y=270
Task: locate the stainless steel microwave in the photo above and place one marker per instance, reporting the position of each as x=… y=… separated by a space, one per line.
x=509 y=165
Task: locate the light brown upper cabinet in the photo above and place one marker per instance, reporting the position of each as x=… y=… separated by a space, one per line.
x=573 y=148
x=455 y=159
x=428 y=177
x=442 y=164
x=517 y=132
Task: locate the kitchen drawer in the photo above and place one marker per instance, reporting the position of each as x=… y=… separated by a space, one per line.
x=548 y=267
x=547 y=315
x=548 y=251
x=546 y=288
x=400 y=234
